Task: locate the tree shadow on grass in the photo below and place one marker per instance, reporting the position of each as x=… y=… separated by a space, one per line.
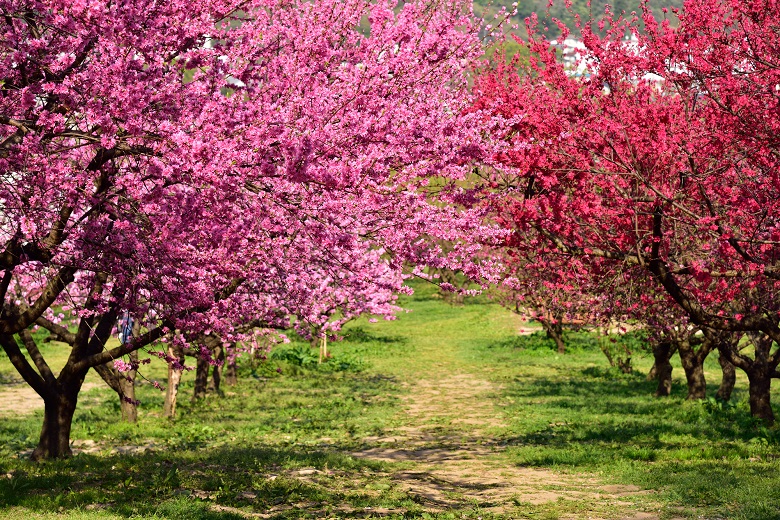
x=210 y=484
x=620 y=413
x=361 y=335
x=706 y=457
x=220 y=484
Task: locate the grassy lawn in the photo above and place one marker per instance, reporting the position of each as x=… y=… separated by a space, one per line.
x=364 y=435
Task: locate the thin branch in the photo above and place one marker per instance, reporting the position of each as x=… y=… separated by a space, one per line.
x=61 y=332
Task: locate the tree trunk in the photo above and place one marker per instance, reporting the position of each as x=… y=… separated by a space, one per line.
x=652 y=375
x=555 y=332
x=760 y=406
x=693 y=365
x=59 y=408
x=124 y=386
x=216 y=373
x=201 y=378
x=760 y=378
x=174 y=378
x=231 y=374
x=60 y=395
x=128 y=404
x=729 y=379
x=662 y=352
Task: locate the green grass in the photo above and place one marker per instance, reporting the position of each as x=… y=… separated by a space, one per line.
x=282 y=444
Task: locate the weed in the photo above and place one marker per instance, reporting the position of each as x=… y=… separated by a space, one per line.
x=299 y=355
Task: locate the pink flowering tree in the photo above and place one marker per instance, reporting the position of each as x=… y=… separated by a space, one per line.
x=660 y=158
x=341 y=297
x=327 y=297
x=186 y=161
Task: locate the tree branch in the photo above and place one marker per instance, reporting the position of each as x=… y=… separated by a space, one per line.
x=18 y=322
x=35 y=354
x=57 y=232
x=6 y=281
x=86 y=324
x=58 y=330
x=11 y=348
x=117 y=352
x=109 y=376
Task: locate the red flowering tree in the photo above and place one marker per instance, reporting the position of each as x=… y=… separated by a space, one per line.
x=532 y=287
x=186 y=161
x=659 y=156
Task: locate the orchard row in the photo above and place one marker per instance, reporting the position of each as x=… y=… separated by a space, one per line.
x=208 y=172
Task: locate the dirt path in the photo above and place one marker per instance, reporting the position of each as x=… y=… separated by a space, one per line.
x=18 y=398
x=455 y=464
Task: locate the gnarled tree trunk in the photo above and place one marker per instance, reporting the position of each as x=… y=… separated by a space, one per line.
x=60 y=394
x=760 y=379
x=759 y=395
x=231 y=373
x=693 y=365
x=729 y=378
x=759 y=370
x=725 y=341
x=694 y=371
x=662 y=353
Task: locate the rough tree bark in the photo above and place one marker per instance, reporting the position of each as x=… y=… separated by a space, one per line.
x=201 y=378
x=216 y=373
x=759 y=397
x=662 y=353
x=60 y=394
x=128 y=403
x=214 y=345
x=723 y=341
x=760 y=370
x=693 y=364
x=59 y=407
x=760 y=378
x=231 y=373
x=728 y=380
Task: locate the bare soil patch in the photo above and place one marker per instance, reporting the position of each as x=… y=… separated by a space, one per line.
x=17 y=398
